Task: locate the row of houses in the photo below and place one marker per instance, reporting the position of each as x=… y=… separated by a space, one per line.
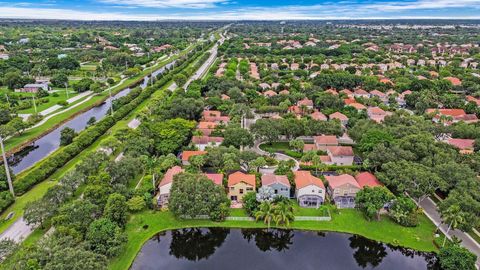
x=310 y=191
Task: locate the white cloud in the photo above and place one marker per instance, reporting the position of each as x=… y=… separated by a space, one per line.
x=343 y=10
x=166 y=3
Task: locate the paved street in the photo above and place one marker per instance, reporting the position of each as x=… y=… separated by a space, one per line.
x=17 y=232
x=278 y=156
x=431 y=211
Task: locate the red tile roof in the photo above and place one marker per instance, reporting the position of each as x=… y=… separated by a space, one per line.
x=340 y=180
x=462 y=144
x=305 y=178
x=168 y=177
x=340 y=150
x=269 y=179
x=187 y=154
x=448 y=112
x=338 y=115
x=216 y=178
x=326 y=140
x=305 y=102
x=455 y=81
x=357 y=106
x=207 y=125
x=238 y=177
x=367 y=179
x=206 y=139
x=316 y=115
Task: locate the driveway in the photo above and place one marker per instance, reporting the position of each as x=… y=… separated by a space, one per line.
x=430 y=209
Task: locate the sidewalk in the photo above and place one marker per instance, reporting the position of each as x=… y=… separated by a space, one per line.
x=430 y=209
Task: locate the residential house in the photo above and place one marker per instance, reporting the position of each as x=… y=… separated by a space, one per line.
x=166 y=184
x=240 y=184
x=270 y=93
x=202 y=142
x=357 y=106
x=448 y=116
x=382 y=96
x=309 y=190
x=377 y=114
x=187 y=154
x=217 y=178
x=324 y=141
x=466 y=146
x=367 y=179
x=206 y=128
x=340 y=116
x=343 y=189
x=319 y=116
x=360 y=93
x=279 y=184
x=455 y=81
x=34 y=88
x=305 y=102
x=215 y=117
x=340 y=155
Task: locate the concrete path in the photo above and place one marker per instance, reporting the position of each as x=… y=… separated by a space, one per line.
x=278 y=156
x=17 y=232
x=431 y=210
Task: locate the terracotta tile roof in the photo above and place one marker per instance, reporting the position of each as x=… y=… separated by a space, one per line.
x=360 y=92
x=346 y=92
x=325 y=159
x=309 y=147
x=207 y=114
x=305 y=102
x=338 y=115
x=168 y=177
x=206 y=139
x=340 y=180
x=462 y=144
x=348 y=101
x=187 y=154
x=340 y=150
x=331 y=91
x=216 y=178
x=238 y=177
x=326 y=140
x=357 y=106
x=448 y=112
x=367 y=179
x=207 y=125
x=316 y=115
x=375 y=110
x=224 y=97
x=284 y=92
x=305 y=178
x=455 y=81
x=269 y=179
x=270 y=93
x=377 y=93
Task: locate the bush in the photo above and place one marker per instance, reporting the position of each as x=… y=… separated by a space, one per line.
x=250 y=203
x=6 y=199
x=455 y=257
x=136 y=204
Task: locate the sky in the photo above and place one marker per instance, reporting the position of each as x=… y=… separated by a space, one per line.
x=239 y=9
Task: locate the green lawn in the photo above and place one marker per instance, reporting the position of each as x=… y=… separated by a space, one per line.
x=62 y=96
x=89 y=67
x=238 y=212
x=322 y=211
x=275 y=147
x=143 y=226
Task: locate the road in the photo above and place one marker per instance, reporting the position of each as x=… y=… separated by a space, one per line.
x=17 y=232
x=430 y=209
x=204 y=68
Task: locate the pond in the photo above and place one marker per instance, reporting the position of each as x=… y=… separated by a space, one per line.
x=261 y=249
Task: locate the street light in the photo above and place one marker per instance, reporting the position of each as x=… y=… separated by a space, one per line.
x=7 y=170
x=34 y=104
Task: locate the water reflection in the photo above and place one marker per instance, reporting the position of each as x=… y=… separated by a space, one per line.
x=367 y=251
x=268 y=240
x=260 y=249
x=196 y=244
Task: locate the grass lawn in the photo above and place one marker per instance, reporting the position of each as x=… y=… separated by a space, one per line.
x=238 y=212
x=89 y=67
x=62 y=96
x=145 y=225
x=322 y=211
x=275 y=147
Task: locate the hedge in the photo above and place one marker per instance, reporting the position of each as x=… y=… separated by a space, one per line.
x=60 y=157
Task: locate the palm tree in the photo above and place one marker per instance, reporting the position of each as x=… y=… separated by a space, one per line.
x=283 y=213
x=266 y=213
x=454 y=217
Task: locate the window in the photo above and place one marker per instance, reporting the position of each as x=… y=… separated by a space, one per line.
x=241 y=191
x=249 y=189
x=232 y=188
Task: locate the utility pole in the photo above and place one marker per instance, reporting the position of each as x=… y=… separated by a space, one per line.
x=8 y=101
x=66 y=89
x=34 y=104
x=111 y=100
x=7 y=170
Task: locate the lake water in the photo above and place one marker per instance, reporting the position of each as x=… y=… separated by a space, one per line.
x=257 y=249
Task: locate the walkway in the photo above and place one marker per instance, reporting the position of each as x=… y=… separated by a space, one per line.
x=430 y=209
x=278 y=156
